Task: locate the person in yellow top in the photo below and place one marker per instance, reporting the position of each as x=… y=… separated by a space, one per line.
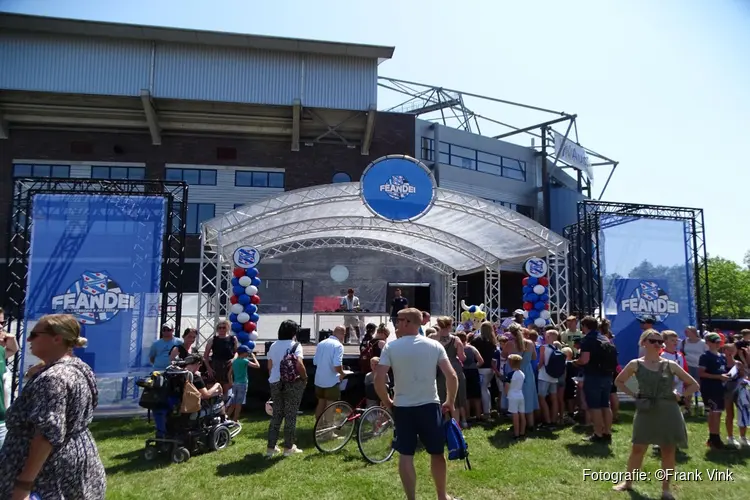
x=571 y=335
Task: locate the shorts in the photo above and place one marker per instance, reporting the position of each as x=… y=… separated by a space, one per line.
x=239 y=393
x=713 y=401
x=545 y=388
x=473 y=384
x=596 y=391
x=516 y=405
x=222 y=371
x=730 y=389
x=328 y=393
x=424 y=422
x=561 y=382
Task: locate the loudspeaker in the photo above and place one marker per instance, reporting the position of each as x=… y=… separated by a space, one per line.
x=268 y=346
x=303 y=336
x=324 y=334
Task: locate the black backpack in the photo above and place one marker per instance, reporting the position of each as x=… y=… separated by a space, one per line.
x=607 y=357
x=555 y=367
x=155 y=395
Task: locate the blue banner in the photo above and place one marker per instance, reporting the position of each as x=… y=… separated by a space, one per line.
x=638 y=298
x=98 y=257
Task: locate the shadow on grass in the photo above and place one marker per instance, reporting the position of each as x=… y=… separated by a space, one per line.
x=503 y=439
x=134 y=463
x=250 y=464
x=590 y=450
x=728 y=457
x=110 y=428
x=543 y=433
x=634 y=495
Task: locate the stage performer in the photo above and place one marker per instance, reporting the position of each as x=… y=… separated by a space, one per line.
x=350 y=303
x=472 y=318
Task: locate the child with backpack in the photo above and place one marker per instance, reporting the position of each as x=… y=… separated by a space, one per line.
x=514 y=389
x=551 y=369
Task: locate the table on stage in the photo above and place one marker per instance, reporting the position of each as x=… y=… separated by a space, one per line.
x=330 y=320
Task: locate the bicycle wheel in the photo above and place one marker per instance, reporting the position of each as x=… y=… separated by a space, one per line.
x=375 y=435
x=335 y=427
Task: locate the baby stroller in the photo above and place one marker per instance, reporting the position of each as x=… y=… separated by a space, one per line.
x=180 y=434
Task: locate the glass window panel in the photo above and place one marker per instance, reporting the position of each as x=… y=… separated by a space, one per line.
x=275 y=180
x=42 y=170
x=341 y=177
x=514 y=174
x=192 y=218
x=137 y=173
x=60 y=171
x=445 y=158
x=192 y=177
x=206 y=211
x=99 y=172
x=489 y=168
x=238 y=205
x=243 y=178
x=208 y=177
x=174 y=174
x=260 y=179
x=22 y=170
x=445 y=147
x=118 y=173
x=489 y=158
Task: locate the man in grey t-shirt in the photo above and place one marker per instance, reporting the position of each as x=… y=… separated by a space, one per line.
x=416 y=407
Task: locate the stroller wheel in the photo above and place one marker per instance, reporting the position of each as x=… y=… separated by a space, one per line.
x=219 y=438
x=150 y=453
x=180 y=455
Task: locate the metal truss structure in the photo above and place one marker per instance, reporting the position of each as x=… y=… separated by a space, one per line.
x=585 y=256
x=460 y=234
x=454 y=108
x=19 y=248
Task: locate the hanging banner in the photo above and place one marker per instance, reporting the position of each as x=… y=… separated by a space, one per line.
x=637 y=299
x=572 y=154
x=98 y=257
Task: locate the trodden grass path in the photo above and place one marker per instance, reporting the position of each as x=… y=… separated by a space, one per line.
x=547 y=466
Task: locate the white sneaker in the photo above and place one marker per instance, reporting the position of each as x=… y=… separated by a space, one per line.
x=744 y=442
x=733 y=443
x=271 y=452
x=292 y=451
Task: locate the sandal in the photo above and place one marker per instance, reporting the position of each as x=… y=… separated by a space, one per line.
x=622 y=487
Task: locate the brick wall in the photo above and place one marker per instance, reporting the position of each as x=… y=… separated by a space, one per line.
x=394 y=134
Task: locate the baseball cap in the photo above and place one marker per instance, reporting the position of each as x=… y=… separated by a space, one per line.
x=243 y=348
x=712 y=337
x=167 y=326
x=647 y=319
x=518 y=312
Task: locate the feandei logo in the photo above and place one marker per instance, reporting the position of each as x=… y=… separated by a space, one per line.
x=398 y=187
x=650 y=300
x=93 y=299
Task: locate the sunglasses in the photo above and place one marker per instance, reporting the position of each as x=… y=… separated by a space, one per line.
x=34 y=334
x=655 y=341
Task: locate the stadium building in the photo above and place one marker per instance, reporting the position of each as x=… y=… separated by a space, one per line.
x=242 y=117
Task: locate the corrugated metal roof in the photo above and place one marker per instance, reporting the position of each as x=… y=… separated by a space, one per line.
x=215 y=38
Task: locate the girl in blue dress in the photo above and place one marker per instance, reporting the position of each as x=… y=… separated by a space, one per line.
x=524 y=348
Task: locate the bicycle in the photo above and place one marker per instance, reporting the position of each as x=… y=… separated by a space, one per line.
x=335 y=427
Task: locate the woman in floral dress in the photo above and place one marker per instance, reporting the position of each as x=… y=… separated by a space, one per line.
x=49 y=449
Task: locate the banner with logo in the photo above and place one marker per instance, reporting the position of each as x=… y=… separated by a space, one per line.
x=639 y=298
x=572 y=154
x=98 y=257
x=398 y=188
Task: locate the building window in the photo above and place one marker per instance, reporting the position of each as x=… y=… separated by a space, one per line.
x=251 y=178
x=428 y=149
x=132 y=173
x=193 y=176
x=341 y=177
x=27 y=170
x=196 y=214
x=473 y=159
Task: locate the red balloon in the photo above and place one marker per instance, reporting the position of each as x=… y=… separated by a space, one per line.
x=525 y=281
x=528 y=306
x=546 y=306
x=233 y=299
x=543 y=281
x=249 y=327
x=255 y=299
x=239 y=272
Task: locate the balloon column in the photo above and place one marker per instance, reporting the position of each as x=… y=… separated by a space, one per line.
x=244 y=305
x=536 y=294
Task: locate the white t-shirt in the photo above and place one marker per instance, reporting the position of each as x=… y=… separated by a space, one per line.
x=414 y=360
x=515 y=391
x=276 y=353
x=548 y=349
x=677 y=358
x=693 y=350
x=328 y=356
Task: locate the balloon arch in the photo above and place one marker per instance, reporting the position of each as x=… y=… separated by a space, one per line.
x=477 y=235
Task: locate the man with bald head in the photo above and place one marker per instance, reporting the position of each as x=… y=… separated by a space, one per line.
x=329 y=369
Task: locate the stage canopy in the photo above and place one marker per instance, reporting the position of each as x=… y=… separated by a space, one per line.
x=460 y=233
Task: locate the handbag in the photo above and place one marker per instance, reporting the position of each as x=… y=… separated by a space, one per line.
x=191 y=399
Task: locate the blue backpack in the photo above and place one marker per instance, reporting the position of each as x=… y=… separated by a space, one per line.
x=454 y=438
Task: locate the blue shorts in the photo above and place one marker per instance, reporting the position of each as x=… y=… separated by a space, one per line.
x=239 y=393
x=424 y=422
x=545 y=388
x=596 y=389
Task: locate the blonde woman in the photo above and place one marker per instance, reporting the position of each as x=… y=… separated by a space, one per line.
x=221 y=350
x=527 y=350
x=49 y=449
x=454 y=348
x=486 y=344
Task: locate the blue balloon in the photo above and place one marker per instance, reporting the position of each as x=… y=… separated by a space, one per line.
x=533 y=314
x=529 y=297
x=538 y=298
x=243 y=337
x=243 y=299
x=233 y=318
x=255 y=282
x=527 y=289
x=528 y=322
x=250 y=344
x=254 y=318
x=539 y=306
x=251 y=308
x=533 y=281
x=238 y=290
x=545 y=297
x=252 y=272
x=236 y=327
x=235 y=282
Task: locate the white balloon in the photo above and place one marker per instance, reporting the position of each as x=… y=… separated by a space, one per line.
x=544 y=315
x=526 y=314
x=540 y=322
x=539 y=289
x=243 y=317
x=245 y=281
x=254 y=336
x=237 y=308
x=251 y=290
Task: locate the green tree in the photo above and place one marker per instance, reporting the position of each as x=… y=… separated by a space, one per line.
x=729 y=287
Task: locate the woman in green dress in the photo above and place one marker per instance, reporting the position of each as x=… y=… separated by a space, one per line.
x=658 y=419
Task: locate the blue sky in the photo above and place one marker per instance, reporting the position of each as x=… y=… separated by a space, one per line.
x=660 y=86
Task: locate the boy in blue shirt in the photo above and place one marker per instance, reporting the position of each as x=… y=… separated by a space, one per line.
x=244 y=358
x=712 y=370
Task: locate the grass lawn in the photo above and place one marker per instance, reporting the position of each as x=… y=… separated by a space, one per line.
x=547 y=466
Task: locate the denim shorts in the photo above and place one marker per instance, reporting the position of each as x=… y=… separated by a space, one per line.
x=596 y=390
x=545 y=388
x=423 y=422
x=239 y=392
